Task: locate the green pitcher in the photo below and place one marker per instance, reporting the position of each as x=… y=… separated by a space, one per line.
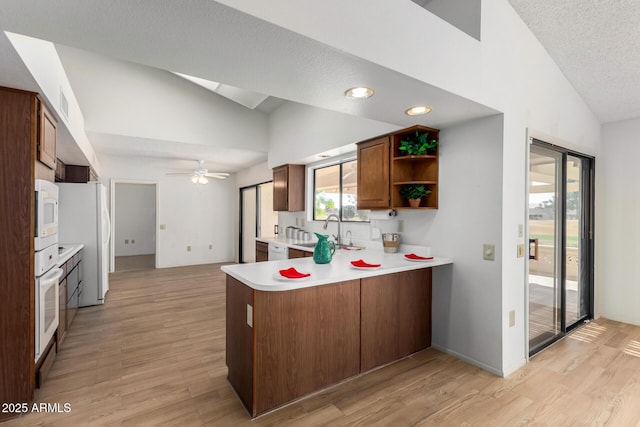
x=324 y=250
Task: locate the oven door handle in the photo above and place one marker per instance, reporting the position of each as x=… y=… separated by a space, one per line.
x=51 y=277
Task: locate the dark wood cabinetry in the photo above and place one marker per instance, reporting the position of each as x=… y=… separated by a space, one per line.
x=297 y=253
x=396 y=316
x=373 y=174
x=262 y=251
x=46 y=147
x=79 y=174
x=290 y=362
x=283 y=345
x=288 y=188
x=72 y=280
x=383 y=169
x=18 y=136
x=60 y=170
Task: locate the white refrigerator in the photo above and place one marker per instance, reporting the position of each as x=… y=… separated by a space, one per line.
x=83 y=217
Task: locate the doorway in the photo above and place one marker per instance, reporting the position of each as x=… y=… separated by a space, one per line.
x=134 y=213
x=560 y=231
x=257 y=218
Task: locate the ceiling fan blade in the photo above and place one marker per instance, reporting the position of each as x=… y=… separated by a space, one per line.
x=179 y=173
x=217 y=175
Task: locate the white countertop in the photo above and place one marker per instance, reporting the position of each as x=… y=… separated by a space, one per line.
x=70 y=249
x=264 y=276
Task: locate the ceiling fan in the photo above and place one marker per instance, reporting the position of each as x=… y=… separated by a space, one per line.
x=200 y=175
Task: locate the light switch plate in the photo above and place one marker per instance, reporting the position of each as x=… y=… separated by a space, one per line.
x=512 y=318
x=489 y=252
x=520 y=250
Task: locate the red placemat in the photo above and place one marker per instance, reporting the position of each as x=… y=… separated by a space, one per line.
x=362 y=264
x=292 y=273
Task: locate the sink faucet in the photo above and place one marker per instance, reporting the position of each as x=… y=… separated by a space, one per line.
x=326 y=222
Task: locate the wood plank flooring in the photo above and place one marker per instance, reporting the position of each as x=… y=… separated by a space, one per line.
x=154 y=355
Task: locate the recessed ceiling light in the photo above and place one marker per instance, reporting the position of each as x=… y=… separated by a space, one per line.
x=359 y=93
x=416 y=111
x=323 y=156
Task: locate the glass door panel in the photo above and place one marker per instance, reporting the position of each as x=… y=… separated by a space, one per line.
x=560 y=242
x=545 y=267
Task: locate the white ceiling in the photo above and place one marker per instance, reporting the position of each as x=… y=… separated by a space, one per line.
x=596 y=44
x=215 y=42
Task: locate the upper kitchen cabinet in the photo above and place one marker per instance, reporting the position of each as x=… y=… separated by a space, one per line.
x=385 y=166
x=373 y=174
x=288 y=188
x=46 y=148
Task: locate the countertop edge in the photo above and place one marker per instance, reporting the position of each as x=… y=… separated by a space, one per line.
x=74 y=248
x=271 y=285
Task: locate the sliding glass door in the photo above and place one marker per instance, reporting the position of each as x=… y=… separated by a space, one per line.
x=560 y=242
x=257 y=218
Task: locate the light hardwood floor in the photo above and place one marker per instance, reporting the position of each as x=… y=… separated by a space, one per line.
x=154 y=355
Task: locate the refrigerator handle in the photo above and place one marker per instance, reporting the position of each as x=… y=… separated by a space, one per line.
x=108 y=223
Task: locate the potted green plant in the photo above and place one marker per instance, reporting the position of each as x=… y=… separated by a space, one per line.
x=417 y=144
x=414 y=193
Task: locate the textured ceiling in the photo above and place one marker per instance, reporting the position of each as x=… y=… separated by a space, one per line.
x=596 y=44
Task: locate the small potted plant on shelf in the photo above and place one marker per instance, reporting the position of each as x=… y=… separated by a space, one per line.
x=417 y=144
x=414 y=193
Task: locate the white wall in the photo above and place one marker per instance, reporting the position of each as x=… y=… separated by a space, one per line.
x=467 y=296
x=42 y=60
x=297 y=132
x=134 y=228
x=194 y=215
x=508 y=70
x=619 y=233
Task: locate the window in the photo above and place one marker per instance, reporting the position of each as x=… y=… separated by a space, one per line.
x=335 y=192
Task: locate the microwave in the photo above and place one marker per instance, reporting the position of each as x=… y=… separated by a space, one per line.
x=46 y=218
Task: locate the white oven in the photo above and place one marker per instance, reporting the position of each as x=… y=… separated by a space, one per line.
x=47 y=308
x=46 y=226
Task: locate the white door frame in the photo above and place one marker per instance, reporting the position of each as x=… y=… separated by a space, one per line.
x=112 y=209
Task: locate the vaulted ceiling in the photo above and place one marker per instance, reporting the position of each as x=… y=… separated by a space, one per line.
x=594 y=43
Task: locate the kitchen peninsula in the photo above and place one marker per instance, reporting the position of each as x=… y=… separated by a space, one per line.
x=286 y=339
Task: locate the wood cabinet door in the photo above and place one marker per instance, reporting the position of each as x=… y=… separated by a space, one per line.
x=47 y=138
x=262 y=252
x=288 y=188
x=414 y=317
x=62 y=311
x=373 y=174
x=297 y=253
x=379 y=321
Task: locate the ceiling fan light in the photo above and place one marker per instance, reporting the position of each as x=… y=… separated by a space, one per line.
x=203 y=180
x=194 y=179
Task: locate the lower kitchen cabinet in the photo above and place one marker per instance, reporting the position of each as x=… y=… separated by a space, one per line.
x=395 y=316
x=62 y=312
x=297 y=253
x=70 y=289
x=262 y=251
x=284 y=345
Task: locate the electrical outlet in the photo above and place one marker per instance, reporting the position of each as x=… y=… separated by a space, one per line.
x=249 y=315
x=512 y=318
x=189 y=248
x=132 y=241
x=400 y=225
x=126 y=242
x=489 y=252
x=520 y=250
x=520 y=230
x=163 y=226
x=210 y=247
